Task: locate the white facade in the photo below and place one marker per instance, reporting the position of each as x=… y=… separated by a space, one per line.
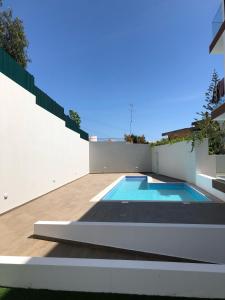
x=38 y=153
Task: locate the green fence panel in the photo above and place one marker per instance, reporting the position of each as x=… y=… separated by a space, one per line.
x=14 y=71
x=49 y=104
x=73 y=126
x=84 y=135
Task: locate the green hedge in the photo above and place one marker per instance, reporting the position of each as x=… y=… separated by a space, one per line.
x=171 y=141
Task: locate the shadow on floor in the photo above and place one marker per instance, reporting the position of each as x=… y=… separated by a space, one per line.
x=70 y=249
x=156 y=212
x=23 y=294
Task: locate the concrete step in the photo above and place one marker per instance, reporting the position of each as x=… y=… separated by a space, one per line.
x=219 y=184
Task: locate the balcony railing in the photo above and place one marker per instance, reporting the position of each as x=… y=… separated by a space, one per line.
x=217 y=20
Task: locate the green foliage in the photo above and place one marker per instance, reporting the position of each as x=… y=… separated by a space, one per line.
x=206 y=127
x=135 y=139
x=75 y=117
x=12 y=36
x=165 y=141
x=211 y=98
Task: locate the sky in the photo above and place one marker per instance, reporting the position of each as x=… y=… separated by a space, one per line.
x=99 y=56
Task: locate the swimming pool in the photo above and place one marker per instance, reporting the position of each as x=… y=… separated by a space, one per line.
x=137 y=188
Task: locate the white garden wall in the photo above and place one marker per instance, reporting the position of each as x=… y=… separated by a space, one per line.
x=220 y=164
x=197 y=166
x=190 y=241
x=38 y=153
x=205 y=163
x=116 y=157
x=114 y=276
x=174 y=160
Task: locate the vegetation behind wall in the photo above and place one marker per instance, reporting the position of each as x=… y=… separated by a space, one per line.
x=206 y=126
x=12 y=36
x=135 y=139
x=166 y=141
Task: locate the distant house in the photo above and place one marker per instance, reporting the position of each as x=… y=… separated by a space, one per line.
x=179 y=133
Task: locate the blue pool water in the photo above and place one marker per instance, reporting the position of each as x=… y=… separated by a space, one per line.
x=132 y=188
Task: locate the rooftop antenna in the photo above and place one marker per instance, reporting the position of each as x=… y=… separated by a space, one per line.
x=131 y=116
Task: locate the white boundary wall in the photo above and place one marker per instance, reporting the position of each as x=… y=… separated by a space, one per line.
x=205 y=163
x=38 y=153
x=118 y=157
x=114 y=276
x=174 y=160
x=193 y=241
x=220 y=164
x=197 y=166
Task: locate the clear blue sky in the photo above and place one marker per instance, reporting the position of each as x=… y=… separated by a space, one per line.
x=98 y=56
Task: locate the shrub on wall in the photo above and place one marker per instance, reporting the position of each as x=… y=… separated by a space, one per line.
x=75 y=117
x=206 y=127
x=135 y=139
x=12 y=36
x=165 y=141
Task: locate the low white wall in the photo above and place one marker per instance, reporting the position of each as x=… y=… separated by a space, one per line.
x=205 y=182
x=114 y=276
x=175 y=160
x=190 y=241
x=116 y=157
x=38 y=153
x=220 y=164
x=205 y=163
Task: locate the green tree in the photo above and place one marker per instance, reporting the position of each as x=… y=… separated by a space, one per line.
x=206 y=127
x=211 y=97
x=135 y=139
x=75 y=117
x=12 y=36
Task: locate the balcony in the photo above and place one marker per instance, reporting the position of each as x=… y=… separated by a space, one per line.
x=218 y=27
x=218 y=113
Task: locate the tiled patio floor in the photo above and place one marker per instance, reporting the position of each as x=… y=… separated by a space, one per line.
x=71 y=202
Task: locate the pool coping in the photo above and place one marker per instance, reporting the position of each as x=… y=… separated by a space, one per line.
x=99 y=196
x=210 y=197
